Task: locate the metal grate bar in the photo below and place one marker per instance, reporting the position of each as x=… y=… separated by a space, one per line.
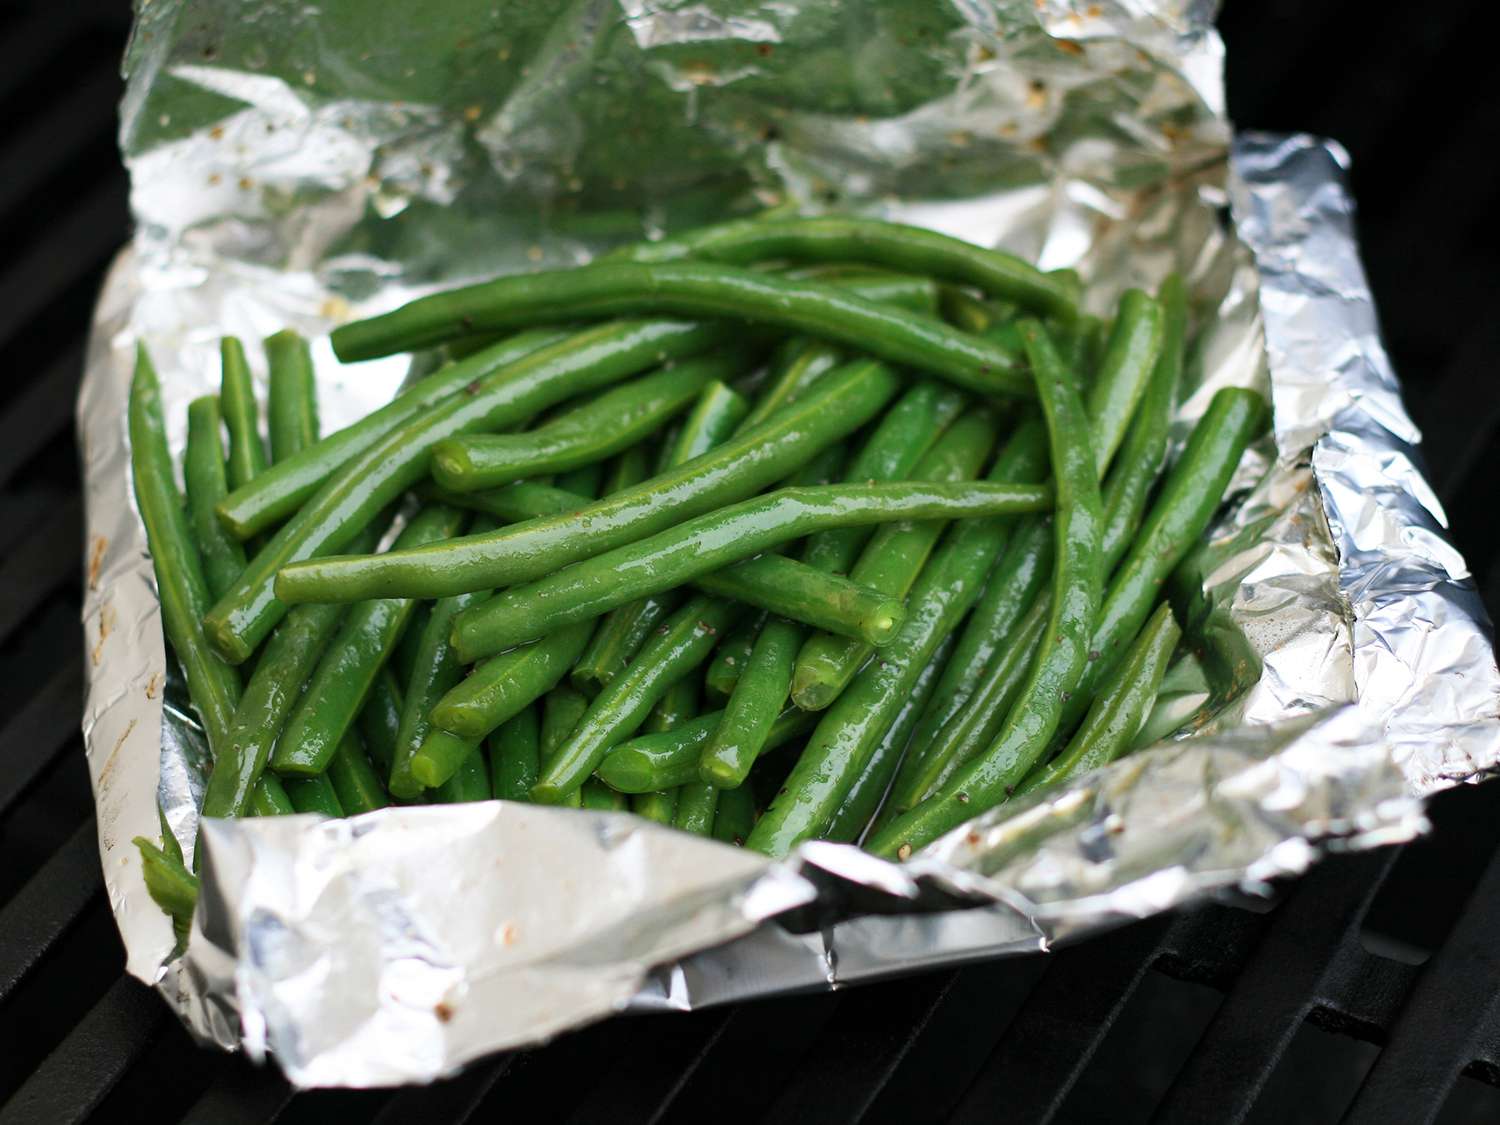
x=31 y=43
x=455 y=1100
x=1053 y=1038
x=651 y=1069
x=85 y=1066
x=242 y=1094
x=1440 y=1030
x=40 y=913
x=47 y=142
x=1273 y=994
x=39 y=414
x=32 y=739
x=1362 y=993
x=35 y=568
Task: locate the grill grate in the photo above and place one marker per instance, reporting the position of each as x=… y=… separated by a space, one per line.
x=1367 y=993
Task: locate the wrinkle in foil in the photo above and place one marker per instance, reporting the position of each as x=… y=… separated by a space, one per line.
x=305 y=165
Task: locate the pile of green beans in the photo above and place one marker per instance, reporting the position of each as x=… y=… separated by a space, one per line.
x=792 y=554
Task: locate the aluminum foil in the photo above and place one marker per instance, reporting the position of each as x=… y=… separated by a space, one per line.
x=305 y=165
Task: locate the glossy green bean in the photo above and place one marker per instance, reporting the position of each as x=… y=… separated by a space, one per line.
x=516 y=755
x=524 y=500
x=168 y=881
x=436 y=671
x=213 y=686
x=694 y=289
x=892 y=559
x=757 y=699
x=470 y=783
x=339 y=685
x=874 y=242
x=292 y=395
x=355 y=781
x=650 y=762
x=1077 y=588
x=247 y=456
x=730 y=659
x=269 y=798
x=313 y=795
x=618 y=711
x=562 y=710
x=735 y=816
x=1134 y=346
x=659 y=806
x=890 y=452
x=369 y=481
x=798 y=592
x=203 y=474
x=265 y=497
x=697 y=805
x=708 y=543
x=628 y=469
x=585 y=481
x=597 y=796
x=863 y=799
x=798 y=364
x=840 y=404
x=851 y=729
x=380 y=718
x=614 y=421
x=502 y=685
x=678 y=704
x=1186 y=503
x=1124 y=700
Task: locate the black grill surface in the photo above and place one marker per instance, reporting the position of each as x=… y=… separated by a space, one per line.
x=1366 y=993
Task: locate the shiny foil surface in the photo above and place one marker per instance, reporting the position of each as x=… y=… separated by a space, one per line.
x=303 y=166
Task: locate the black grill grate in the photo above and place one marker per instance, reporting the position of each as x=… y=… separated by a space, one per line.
x=1366 y=994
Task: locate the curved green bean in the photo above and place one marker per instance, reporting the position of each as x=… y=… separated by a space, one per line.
x=203 y=474
x=380 y=718
x=730 y=658
x=798 y=592
x=265 y=497
x=892 y=245
x=665 y=760
x=470 y=783
x=1077 y=588
x=697 y=807
x=799 y=364
x=501 y=686
x=516 y=755
x=735 y=816
x=513 y=503
x=313 y=795
x=840 y=404
x=619 y=710
x=694 y=289
x=292 y=395
x=753 y=706
x=355 y=782
x=1130 y=357
x=1124 y=700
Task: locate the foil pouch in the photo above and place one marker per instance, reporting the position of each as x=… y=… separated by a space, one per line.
x=304 y=165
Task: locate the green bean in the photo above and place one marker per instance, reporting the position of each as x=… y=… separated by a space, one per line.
x=436 y=671
x=910 y=292
x=602 y=427
x=516 y=755
x=678 y=704
x=963 y=310
x=1077 y=587
x=826 y=312
x=599 y=797
x=213 y=686
x=263 y=498
x=1185 y=505
x=584 y=481
x=800 y=593
x=404 y=659
x=341 y=682
x=168 y=881
x=562 y=710
x=1140 y=461
x=524 y=500
x=708 y=543
x=273 y=690
x=203 y=473
x=355 y=781
x=730 y=659
x=313 y=795
x=1124 y=700
x=292 y=399
x=750 y=461
x=380 y=718
x=350 y=497
x=671 y=758
x=890 y=452
x=502 y=685
x=470 y=783
x=619 y=710
x=628 y=469
x=247 y=456
x=892 y=559
x=735 y=816
x=697 y=803
x=752 y=709
x=798 y=365
x=872 y=241
x=718 y=413
x=659 y=806
x=863 y=799
x=269 y=798
x=1129 y=358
